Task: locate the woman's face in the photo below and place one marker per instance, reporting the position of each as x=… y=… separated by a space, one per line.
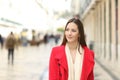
x=72 y=33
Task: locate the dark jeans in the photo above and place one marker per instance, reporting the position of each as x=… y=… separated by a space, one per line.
x=10 y=55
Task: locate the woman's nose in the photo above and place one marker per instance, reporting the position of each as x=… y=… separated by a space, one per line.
x=69 y=32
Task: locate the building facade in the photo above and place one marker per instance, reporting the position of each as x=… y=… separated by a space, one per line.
x=102 y=26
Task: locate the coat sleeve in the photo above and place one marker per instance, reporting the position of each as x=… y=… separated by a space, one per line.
x=53 y=67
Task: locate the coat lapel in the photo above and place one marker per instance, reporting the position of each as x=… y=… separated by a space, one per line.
x=88 y=64
x=61 y=57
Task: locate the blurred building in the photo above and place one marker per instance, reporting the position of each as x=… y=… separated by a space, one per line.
x=75 y=7
x=8 y=25
x=102 y=26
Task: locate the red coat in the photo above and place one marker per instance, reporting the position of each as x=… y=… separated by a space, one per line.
x=58 y=68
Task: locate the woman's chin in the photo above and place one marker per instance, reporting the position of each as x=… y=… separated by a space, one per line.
x=70 y=41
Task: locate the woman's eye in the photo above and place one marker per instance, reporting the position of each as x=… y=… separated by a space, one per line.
x=73 y=30
x=66 y=29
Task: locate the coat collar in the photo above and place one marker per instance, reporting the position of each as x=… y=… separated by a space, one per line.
x=61 y=57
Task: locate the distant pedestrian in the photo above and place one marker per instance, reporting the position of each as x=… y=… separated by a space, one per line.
x=10 y=46
x=1 y=41
x=57 y=37
x=45 y=38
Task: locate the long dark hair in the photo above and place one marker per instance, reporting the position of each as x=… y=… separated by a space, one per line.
x=79 y=24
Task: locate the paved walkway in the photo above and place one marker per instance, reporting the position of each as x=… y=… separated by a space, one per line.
x=100 y=73
x=31 y=63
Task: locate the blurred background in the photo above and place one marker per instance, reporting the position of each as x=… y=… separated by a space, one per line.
x=38 y=26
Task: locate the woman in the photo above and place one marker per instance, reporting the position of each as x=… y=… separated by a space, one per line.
x=72 y=60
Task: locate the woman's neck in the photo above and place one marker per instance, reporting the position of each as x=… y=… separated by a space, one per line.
x=73 y=45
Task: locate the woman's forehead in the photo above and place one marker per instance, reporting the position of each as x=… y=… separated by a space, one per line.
x=72 y=24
